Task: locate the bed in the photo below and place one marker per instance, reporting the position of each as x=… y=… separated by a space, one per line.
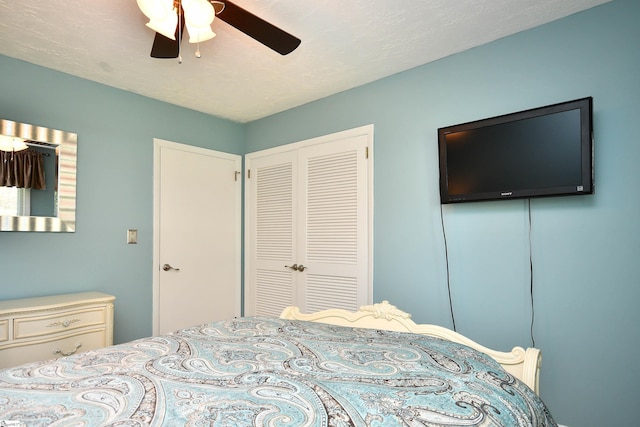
x=523 y=364
x=373 y=367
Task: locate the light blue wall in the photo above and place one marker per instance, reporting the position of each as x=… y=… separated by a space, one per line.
x=115 y=188
x=585 y=248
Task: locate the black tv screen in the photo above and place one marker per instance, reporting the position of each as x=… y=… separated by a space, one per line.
x=546 y=151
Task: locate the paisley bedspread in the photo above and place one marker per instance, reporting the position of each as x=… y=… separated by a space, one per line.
x=261 y=371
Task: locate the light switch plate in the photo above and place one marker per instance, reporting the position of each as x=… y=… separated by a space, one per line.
x=132 y=236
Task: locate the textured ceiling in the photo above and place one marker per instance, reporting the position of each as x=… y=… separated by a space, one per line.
x=344 y=44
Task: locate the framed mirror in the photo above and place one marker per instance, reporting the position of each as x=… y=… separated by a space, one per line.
x=49 y=207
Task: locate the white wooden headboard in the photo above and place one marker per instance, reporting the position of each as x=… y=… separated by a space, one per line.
x=523 y=364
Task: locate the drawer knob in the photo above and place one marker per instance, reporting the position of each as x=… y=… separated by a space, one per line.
x=65 y=323
x=68 y=353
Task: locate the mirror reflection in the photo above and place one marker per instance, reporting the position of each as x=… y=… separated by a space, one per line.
x=37 y=178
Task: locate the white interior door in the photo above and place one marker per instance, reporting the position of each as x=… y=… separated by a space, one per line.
x=197 y=236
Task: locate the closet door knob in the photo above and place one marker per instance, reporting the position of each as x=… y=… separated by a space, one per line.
x=301 y=267
x=294 y=267
x=167 y=267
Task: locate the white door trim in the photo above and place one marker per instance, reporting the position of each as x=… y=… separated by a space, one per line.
x=157 y=145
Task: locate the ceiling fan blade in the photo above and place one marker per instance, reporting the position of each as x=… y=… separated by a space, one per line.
x=258 y=29
x=164 y=47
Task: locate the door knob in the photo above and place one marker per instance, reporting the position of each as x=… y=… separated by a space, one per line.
x=167 y=267
x=294 y=267
x=301 y=267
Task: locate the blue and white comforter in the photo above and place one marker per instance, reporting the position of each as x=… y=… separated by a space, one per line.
x=259 y=371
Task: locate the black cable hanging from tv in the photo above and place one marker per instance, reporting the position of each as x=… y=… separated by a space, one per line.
x=446 y=257
x=533 y=314
x=531 y=282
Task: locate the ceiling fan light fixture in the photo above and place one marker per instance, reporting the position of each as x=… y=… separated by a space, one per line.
x=200 y=34
x=198 y=17
x=163 y=17
x=167 y=28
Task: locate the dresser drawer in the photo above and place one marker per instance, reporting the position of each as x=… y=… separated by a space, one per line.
x=45 y=324
x=51 y=349
x=4 y=330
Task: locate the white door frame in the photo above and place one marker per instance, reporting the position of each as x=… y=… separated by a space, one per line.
x=157 y=145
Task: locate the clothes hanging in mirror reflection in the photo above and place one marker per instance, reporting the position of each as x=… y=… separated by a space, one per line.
x=22 y=169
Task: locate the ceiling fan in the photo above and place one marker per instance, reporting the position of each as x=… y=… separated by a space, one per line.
x=167 y=18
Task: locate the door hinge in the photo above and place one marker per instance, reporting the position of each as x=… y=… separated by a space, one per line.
x=366 y=152
x=249 y=173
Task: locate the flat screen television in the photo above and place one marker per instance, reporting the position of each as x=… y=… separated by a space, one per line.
x=546 y=151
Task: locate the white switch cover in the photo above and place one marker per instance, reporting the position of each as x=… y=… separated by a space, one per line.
x=132 y=236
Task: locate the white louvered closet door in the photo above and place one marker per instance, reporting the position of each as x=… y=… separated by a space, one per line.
x=333 y=226
x=271 y=225
x=309 y=206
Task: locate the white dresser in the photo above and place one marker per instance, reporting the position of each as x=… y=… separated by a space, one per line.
x=33 y=329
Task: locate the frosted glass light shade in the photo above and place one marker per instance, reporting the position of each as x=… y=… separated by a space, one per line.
x=163 y=17
x=198 y=16
x=12 y=143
